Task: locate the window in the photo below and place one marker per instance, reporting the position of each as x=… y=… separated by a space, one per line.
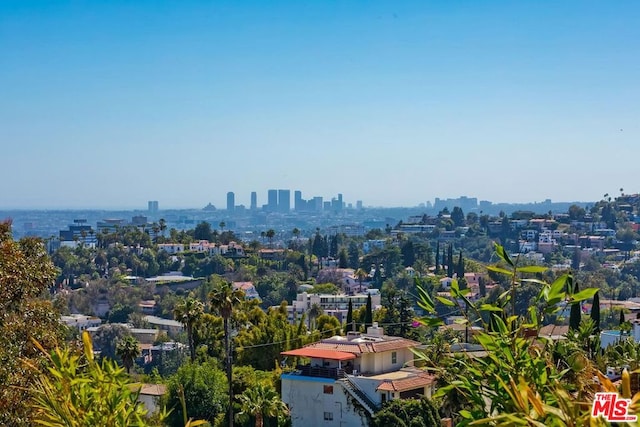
x=328 y=416
x=394 y=357
x=328 y=389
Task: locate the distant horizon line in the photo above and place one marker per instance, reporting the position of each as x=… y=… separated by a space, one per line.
x=223 y=209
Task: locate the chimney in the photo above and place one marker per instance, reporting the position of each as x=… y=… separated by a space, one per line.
x=375 y=330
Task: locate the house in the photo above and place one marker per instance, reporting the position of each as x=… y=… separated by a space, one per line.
x=171 y=327
x=80 y=321
x=150 y=395
x=248 y=288
x=333 y=305
x=171 y=248
x=347 y=379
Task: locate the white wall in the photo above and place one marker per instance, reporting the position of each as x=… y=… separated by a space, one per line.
x=308 y=403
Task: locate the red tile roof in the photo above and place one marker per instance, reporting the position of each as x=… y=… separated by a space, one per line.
x=318 y=353
x=411 y=383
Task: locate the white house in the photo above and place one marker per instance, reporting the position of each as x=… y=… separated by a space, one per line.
x=171 y=248
x=333 y=305
x=80 y=321
x=347 y=379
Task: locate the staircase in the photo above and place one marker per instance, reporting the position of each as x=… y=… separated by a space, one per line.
x=353 y=390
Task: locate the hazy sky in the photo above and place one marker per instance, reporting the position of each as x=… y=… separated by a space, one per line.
x=111 y=104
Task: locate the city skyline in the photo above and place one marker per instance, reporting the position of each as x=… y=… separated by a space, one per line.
x=114 y=104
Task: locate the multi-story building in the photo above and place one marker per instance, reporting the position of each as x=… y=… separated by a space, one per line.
x=272 y=200
x=231 y=201
x=254 y=201
x=78 y=233
x=284 y=201
x=152 y=206
x=347 y=379
x=333 y=305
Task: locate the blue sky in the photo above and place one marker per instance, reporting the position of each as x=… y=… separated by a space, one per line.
x=111 y=104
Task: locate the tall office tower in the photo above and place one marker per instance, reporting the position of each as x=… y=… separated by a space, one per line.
x=298 y=202
x=359 y=204
x=284 y=200
x=152 y=206
x=254 y=200
x=318 y=203
x=231 y=201
x=272 y=200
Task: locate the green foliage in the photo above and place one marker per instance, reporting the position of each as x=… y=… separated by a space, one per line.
x=205 y=393
x=188 y=311
x=78 y=391
x=26 y=272
x=407 y=413
x=261 y=402
x=518 y=382
x=128 y=350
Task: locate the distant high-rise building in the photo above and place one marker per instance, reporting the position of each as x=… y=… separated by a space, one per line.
x=254 y=200
x=318 y=203
x=152 y=206
x=272 y=200
x=231 y=201
x=359 y=204
x=298 y=202
x=284 y=200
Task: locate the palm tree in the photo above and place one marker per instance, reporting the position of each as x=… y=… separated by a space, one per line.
x=314 y=312
x=270 y=234
x=222 y=226
x=260 y=402
x=128 y=350
x=223 y=299
x=360 y=274
x=188 y=311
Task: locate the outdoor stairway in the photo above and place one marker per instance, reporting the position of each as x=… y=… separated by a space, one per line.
x=359 y=395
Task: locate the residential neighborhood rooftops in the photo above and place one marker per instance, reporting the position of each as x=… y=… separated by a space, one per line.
x=319 y=353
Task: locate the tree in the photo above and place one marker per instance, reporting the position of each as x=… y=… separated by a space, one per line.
x=408 y=254
x=261 y=402
x=360 y=275
x=368 y=317
x=26 y=271
x=328 y=325
x=595 y=312
x=575 y=315
x=76 y=391
x=407 y=413
x=203 y=231
x=457 y=216
x=354 y=255
x=460 y=269
x=204 y=390
x=314 y=312
x=349 y=326
x=128 y=350
x=450 y=261
x=270 y=235
x=188 y=311
x=343 y=261
x=223 y=300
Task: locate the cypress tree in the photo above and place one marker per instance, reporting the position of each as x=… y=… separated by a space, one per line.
x=368 y=314
x=482 y=287
x=450 y=261
x=444 y=258
x=595 y=312
x=460 y=271
x=621 y=317
x=437 y=257
x=575 y=315
x=349 y=326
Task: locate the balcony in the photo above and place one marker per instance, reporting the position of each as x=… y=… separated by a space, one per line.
x=320 y=372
